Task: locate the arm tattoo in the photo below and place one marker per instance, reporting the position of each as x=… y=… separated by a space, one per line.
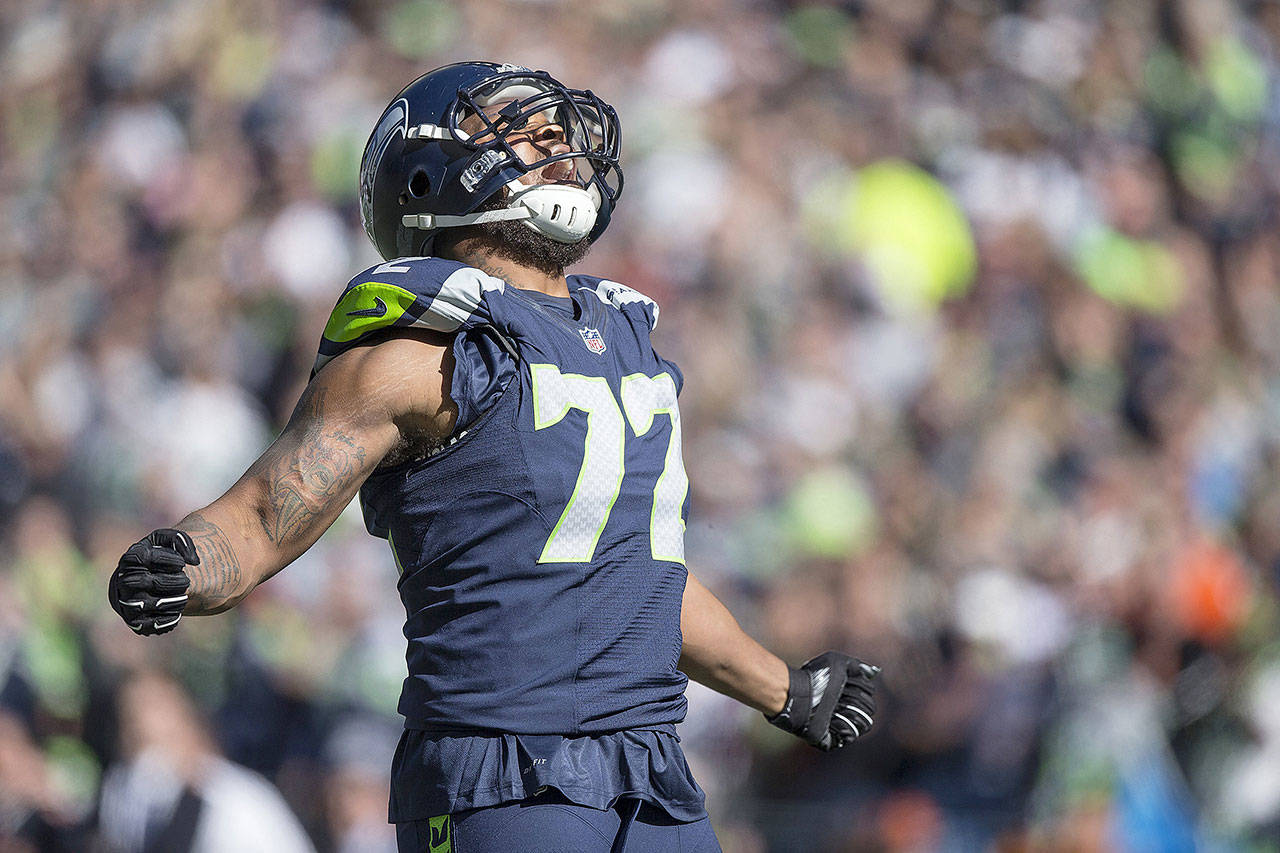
x=216 y=580
x=302 y=476
x=311 y=470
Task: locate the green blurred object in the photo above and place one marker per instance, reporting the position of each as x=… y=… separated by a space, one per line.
x=33 y=125
x=57 y=583
x=1133 y=273
x=830 y=515
x=1262 y=627
x=1206 y=164
x=1238 y=79
x=1172 y=86
x=1075 y=764
x=283 y=638
x=51 y=651
x=906 y=228
x=416 y=29
x=334 y=162
x=74 y=770
x=242 y=65
x=57 y=587
x=820 y=35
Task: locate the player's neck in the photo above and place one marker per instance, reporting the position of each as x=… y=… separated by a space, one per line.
x=513 y=273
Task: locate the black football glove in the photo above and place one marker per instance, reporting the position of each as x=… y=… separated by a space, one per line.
x=830 y=702
x=149 y=586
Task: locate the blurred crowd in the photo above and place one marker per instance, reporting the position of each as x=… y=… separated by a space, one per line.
x=977 y=305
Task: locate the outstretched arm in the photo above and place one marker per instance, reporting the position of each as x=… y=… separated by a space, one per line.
x=719 y=654
x=356 y=410
x=289 y=496
x=828 y=702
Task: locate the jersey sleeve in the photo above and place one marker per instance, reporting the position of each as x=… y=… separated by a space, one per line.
x=408 y=293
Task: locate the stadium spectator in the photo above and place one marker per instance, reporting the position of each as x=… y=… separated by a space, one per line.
x=173 y=791
x=1033 y=446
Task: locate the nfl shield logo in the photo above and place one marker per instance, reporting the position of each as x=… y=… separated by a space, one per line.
x=593 y=340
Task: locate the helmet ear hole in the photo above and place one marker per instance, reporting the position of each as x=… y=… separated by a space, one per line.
x=419 y=183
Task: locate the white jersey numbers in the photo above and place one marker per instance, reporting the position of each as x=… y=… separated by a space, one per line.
x=554 y=393
x=574 y=538
x=643 y=398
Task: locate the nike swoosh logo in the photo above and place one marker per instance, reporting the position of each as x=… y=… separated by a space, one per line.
x=440 y=838
x=377 y=310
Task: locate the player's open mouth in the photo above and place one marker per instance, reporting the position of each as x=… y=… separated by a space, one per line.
x=562 y=172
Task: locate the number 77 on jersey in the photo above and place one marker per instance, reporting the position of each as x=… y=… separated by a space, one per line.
x=574 y=538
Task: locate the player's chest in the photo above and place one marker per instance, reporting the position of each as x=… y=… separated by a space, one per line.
x=583 y=337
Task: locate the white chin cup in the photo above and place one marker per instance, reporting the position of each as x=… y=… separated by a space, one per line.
x=561 y=212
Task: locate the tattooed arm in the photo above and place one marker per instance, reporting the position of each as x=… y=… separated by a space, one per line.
x=360 y=407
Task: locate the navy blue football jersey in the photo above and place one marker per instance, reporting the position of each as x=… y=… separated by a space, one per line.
x=542 y=551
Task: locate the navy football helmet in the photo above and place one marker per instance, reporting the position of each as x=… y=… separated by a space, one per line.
x=421 y=171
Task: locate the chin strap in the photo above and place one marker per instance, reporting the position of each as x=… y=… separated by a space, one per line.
x=432 y=221
x=563 y=213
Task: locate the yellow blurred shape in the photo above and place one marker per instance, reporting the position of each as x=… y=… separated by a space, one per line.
x=908 y=231
x=1133 y=273
x=830 y=515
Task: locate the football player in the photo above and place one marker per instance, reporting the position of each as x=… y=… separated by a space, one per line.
x=515 y=438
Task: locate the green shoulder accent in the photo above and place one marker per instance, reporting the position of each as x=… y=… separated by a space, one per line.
x=367 y=306
x=441 y=840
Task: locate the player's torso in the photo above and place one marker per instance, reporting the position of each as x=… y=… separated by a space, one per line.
x=600 y=425
x=542 y=552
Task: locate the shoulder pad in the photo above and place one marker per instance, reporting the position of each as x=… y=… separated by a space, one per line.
x=407 y=293
x=619 y=296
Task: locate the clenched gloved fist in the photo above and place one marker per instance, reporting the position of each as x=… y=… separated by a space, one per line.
x=149 y=586
x=830 y=701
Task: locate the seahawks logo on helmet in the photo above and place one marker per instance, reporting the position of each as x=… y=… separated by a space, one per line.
x=396 y=118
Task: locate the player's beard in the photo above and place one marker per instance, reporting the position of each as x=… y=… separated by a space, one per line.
x=517 y=242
